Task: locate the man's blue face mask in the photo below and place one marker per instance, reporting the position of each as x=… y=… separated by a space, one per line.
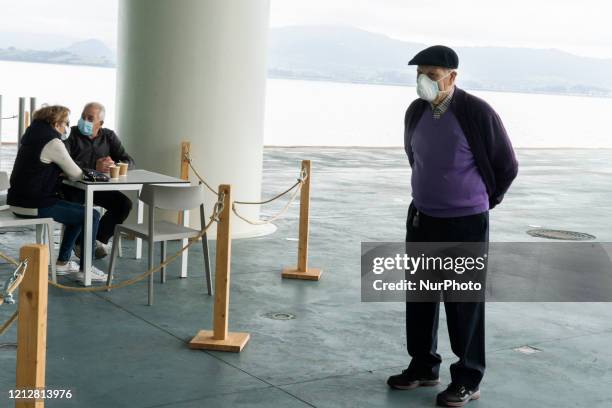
x=85 y=127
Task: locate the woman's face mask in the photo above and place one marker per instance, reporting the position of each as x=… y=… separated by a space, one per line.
x=427 y=88
x=63 y=129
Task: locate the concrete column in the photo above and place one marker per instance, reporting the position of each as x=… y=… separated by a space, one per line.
x=196 y=70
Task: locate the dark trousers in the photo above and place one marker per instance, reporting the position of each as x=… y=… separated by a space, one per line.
x=116 y=204
x=465 y=320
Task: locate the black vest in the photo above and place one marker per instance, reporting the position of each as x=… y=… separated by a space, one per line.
x=34 y=184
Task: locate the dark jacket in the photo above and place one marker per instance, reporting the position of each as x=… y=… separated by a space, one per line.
x=485 y=134
x=85 y=151
x=34 y=184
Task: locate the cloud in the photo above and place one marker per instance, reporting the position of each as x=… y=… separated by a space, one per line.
x=579 y=27
x=79 y=19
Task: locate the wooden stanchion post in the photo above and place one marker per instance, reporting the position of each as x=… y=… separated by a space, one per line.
x=302 y=271
x=27 y=119
x=185 y=149
x=219 y=338
x=32 y=324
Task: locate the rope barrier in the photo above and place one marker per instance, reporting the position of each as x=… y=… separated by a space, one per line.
x=297 y=186
x=273 y=218
x=218 y=207
x=9 y=117
x=301 y=180
x=10 y=286
x=214 y=217
x=9 y=322
x=135 y=279
x=188 y=160
x=9 y=259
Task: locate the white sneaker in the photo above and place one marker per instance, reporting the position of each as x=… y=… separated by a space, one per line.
x=68 y=268
x=96 y=275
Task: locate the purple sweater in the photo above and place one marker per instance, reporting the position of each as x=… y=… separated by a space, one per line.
x=485 y=135
x=445 y=178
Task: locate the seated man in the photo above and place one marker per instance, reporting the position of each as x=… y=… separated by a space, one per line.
x=94 y=147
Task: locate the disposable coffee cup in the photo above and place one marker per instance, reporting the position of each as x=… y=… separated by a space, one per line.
x=123 y=168
x=114 y=172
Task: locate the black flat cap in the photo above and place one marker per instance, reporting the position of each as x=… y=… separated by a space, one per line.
x=437 y=55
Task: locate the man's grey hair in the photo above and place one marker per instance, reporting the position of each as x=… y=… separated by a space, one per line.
x=95 y=105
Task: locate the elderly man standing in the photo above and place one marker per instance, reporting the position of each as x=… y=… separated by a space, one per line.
x=92 y=146
x=462 y=165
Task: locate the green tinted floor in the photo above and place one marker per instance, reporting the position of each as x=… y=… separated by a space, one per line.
x=114 y=351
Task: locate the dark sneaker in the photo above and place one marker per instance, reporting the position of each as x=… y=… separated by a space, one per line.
x=457 y=396
x=408 y=381
x=101 y=250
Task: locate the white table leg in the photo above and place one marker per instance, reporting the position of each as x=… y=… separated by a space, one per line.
x=50 y=227
x=139 y=219
x=86 y=253
x=185 y=254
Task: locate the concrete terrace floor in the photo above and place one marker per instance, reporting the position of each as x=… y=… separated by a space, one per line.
x=114 y=351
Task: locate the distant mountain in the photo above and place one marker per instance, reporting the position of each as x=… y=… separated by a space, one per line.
x=347 y=54
x=88 y=52
x=92 y=50
x=353 y=55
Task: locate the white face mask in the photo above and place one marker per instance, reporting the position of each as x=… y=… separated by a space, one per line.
x=63 y=131
x=427 y=88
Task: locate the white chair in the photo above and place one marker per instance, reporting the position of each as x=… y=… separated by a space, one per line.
x=44 y=226
x=166 y=198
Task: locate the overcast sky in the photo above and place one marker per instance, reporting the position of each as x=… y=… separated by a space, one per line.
x=581 y=27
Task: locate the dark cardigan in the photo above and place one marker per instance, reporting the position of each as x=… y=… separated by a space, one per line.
x=485 y=134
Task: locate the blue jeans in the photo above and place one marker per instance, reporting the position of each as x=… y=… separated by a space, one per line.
x=72 y=216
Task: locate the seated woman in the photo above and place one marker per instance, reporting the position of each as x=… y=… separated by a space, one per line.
x=35 y=183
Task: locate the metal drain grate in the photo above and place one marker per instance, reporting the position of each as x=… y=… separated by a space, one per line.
x=560 y=234
x=279 y=316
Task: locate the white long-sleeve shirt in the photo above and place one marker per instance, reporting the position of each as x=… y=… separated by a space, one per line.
x=54 y=152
